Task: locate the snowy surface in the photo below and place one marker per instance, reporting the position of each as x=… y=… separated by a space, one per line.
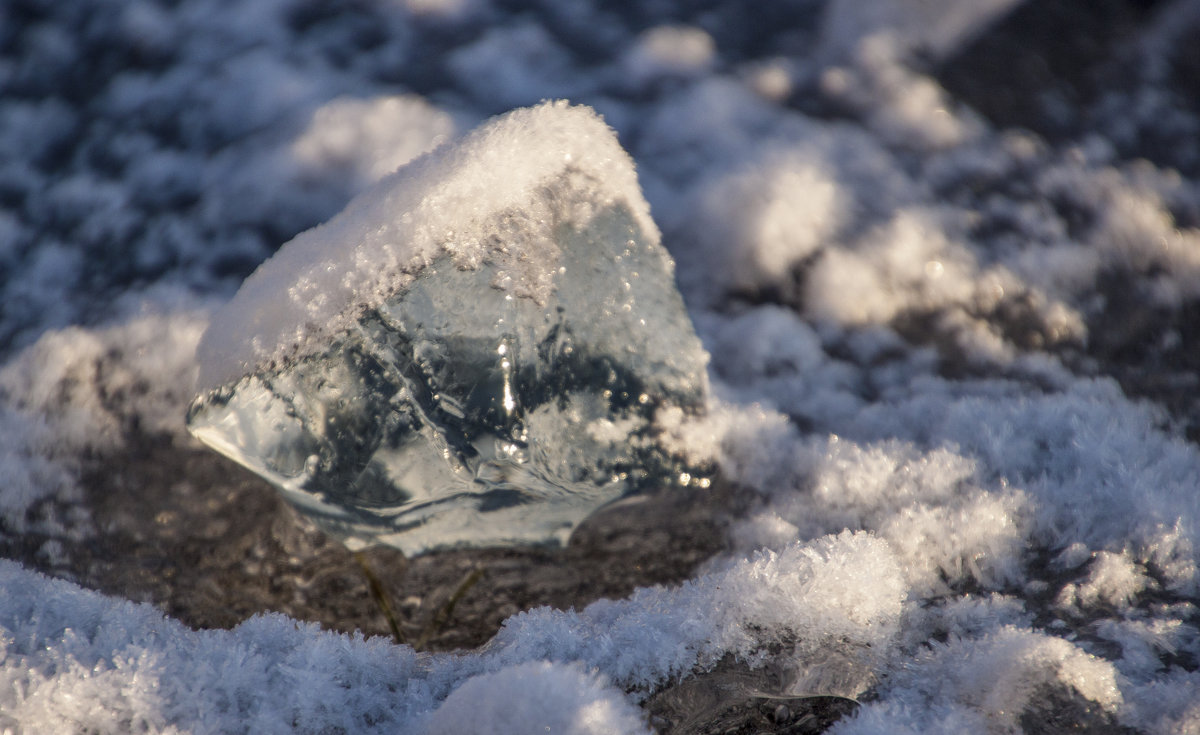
x=952 y=320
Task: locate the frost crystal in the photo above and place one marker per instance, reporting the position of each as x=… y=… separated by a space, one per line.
x=471 y=354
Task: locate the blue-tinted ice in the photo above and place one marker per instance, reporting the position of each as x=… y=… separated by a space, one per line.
x=458 y=413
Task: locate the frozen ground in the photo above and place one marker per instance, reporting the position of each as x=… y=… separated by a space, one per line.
x=945 y=256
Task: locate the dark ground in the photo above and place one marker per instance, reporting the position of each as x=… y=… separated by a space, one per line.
x=211 y=544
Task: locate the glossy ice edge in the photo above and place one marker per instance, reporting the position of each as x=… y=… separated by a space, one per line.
x=459 y=414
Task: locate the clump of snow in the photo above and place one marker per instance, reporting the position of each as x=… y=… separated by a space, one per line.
x=1144 y=642
x=765 y=342
x=370 y=138
x=440 y=8
x=903 y=107
x=751 y=444
x=908 y=263
x=1086 y=446
x=771 y=217
x=772 y=80
x=77 y=393
x=844 y=591
x=1169 y=705
x=34 y=470
x=667 y=51
x=1113 y=579
x=936 y=27
x=484 y=197
x=984 y=684
x=938 y=522
x=88 y=384
x=1133 y=228
x=535 y=697
x=763 y=195
x=75 y=661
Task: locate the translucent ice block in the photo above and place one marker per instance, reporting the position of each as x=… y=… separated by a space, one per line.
x=499 y=386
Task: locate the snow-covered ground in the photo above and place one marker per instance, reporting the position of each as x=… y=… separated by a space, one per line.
x=945 y=256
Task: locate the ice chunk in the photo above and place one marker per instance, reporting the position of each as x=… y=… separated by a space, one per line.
x=471 y=354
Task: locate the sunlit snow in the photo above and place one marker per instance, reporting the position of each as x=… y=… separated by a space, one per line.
x=952 y=335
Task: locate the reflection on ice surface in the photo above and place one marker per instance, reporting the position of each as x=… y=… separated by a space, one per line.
x=490 y=402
